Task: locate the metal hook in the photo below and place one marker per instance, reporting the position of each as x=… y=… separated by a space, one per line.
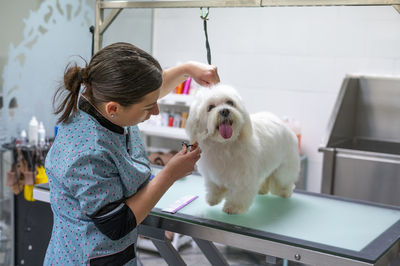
x=201 y=13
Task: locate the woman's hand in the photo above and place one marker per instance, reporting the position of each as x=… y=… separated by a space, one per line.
x=203 y=74
x=182 y=163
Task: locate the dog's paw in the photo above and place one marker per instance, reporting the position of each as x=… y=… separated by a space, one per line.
x=215 y=194
x=285 y=192
x=264 y=188
x=234 y=209
x=213 y=199
x=263 y=191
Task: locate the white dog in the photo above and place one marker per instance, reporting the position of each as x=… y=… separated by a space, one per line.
x=242 y=155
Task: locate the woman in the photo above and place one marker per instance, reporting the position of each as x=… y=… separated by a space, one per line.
x=97 y=166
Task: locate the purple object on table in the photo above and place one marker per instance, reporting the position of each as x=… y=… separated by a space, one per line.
x=179 y=204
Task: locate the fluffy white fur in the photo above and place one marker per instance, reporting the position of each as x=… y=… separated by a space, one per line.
x=260 y=156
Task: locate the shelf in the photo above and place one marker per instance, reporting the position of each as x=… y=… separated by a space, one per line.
x=177 y=99
x=165 y=132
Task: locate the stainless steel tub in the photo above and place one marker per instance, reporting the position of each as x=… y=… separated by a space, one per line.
x=361 y=153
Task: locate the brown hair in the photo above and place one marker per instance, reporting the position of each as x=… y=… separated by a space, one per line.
x=120 y=72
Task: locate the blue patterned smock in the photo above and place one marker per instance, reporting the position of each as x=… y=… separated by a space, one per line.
x=91 y=164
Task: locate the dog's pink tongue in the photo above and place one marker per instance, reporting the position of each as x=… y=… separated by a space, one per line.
x=225 y=130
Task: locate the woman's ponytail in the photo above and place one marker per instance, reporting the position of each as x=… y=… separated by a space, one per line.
x=68 y=93
x=120 y=72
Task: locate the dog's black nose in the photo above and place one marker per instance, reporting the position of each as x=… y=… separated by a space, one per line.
x=224 y=112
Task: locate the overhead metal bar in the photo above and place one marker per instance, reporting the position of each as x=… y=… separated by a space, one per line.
x=271 y=3
x=181 y=4
x=102 y=24
x=245 y=3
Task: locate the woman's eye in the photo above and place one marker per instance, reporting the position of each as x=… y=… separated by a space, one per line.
x=149 y=108
x=229 y=102
x=210 y=107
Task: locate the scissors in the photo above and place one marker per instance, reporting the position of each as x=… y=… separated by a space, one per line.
x=194 y=145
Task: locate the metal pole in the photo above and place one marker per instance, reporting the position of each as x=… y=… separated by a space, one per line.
x=99 y=16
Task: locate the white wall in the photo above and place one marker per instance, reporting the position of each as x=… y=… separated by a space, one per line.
x=51 y=34
x=133 y=26
x=11 y=13
x=288 y=60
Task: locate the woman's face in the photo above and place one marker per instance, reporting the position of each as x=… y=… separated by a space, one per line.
x=139 y=112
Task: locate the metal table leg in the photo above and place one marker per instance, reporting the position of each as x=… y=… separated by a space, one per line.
x=164 y=246
x=211 y=252
x=168 y=252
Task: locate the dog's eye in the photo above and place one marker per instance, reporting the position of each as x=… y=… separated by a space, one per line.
x=229 y=102
x=210 y=107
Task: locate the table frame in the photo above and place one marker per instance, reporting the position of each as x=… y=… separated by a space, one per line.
x=205 y=232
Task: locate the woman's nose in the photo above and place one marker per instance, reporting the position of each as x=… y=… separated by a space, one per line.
x=155 y=110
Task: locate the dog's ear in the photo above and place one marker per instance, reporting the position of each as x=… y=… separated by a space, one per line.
x=193 y=128
x=247 y=130
x=193 y=122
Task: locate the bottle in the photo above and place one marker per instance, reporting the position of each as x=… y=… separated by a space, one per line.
x=164 y=118
x=171 y=120
x=177 y=120
x=42 y=134
x=186 y=86
x=184 y=116
x=23 y=137
x=179 y=89
x=33 y=131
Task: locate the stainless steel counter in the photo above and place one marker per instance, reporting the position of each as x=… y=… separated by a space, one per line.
x=362 y=146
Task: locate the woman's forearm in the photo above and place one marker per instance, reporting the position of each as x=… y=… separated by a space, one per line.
x=174 y=76
x=147 y=197
x=180 y=165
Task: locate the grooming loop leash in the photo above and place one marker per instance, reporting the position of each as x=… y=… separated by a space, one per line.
x=205 y=18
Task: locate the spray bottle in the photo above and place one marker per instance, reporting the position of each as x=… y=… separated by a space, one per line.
x=42 y=134
x=33 y=131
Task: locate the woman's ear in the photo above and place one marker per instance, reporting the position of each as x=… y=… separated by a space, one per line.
x=112 y=108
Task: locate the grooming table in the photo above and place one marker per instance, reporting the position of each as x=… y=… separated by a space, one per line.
x=309 y=228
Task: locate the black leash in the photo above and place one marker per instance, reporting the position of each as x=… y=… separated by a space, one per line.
x=205 y=18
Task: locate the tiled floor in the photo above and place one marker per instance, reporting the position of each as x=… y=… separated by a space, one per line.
x=192 y=255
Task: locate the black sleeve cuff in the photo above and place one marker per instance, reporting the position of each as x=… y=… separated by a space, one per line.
x=115 y=223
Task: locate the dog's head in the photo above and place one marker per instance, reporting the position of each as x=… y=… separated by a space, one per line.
x=219 y=114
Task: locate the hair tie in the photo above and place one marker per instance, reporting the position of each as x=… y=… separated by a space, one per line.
x=80 y=75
